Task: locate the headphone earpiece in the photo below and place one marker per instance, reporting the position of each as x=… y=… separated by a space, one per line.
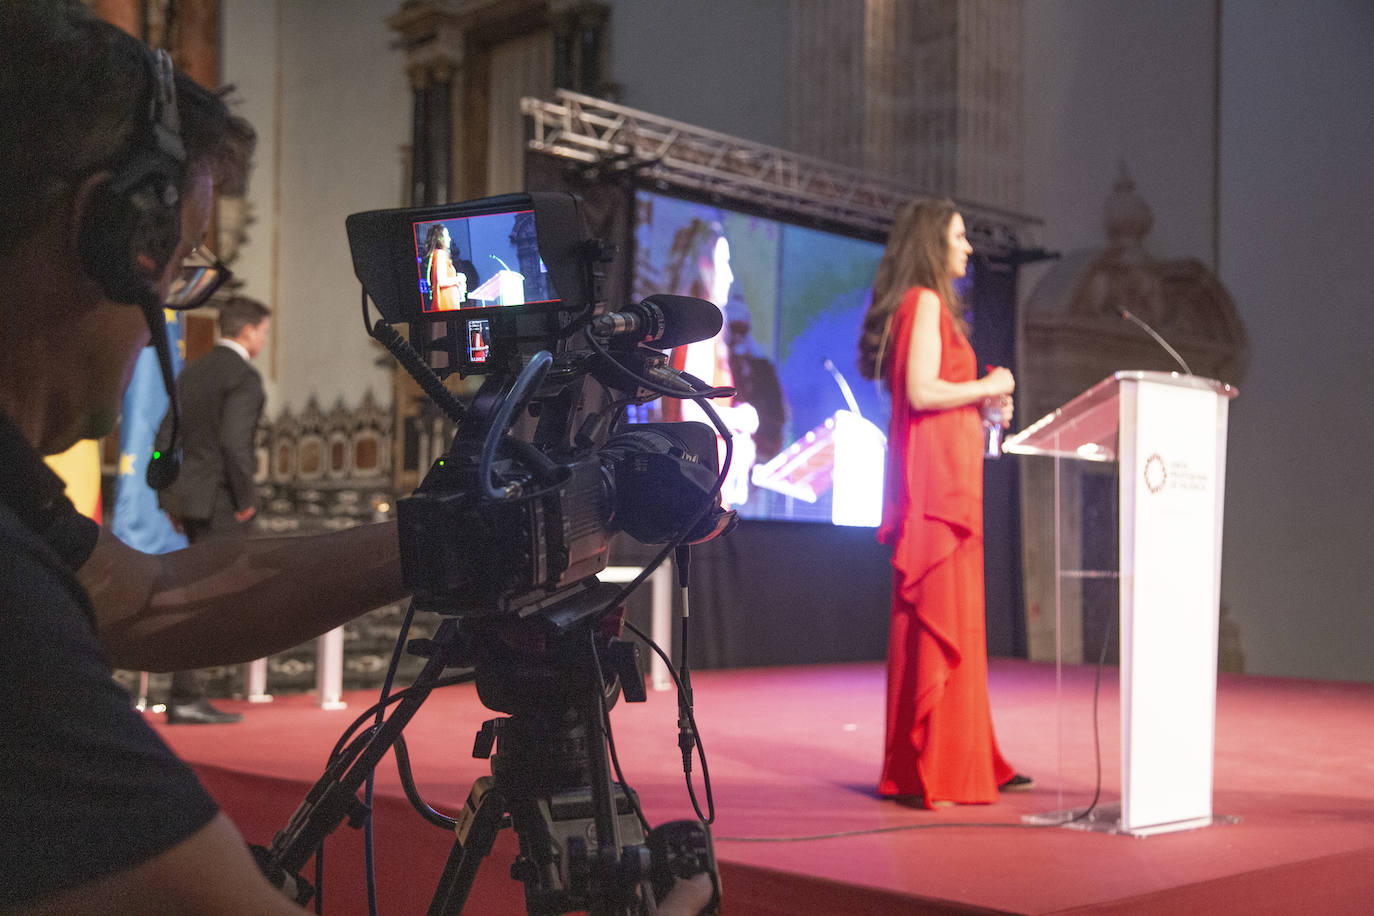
x=132 y=223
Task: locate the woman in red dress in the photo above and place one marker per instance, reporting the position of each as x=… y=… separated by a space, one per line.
x=940 y=747
x=447 y=287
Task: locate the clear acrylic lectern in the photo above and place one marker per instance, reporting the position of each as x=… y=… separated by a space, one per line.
x=1167 y=434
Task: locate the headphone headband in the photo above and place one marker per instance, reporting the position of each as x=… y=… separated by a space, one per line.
x=133 y=223
x=162 y=113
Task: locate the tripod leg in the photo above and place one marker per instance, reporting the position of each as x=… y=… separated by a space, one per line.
x=481 y=819
x=334 y=796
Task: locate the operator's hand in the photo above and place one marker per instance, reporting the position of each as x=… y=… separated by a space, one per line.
x=688 y=897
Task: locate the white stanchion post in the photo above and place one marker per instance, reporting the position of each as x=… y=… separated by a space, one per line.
x=256 y=680
x=662 y=627
x=141 y=703
x=329 y=669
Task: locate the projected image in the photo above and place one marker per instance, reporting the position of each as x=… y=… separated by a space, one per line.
x=480 y=262
x=807 y=445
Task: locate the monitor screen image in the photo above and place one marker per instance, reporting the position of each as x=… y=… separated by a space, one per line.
x=477 y=262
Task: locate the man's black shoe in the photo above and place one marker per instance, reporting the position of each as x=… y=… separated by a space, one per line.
x=199 y=713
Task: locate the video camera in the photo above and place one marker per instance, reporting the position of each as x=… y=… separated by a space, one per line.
x=506 y=288
x=507 y=531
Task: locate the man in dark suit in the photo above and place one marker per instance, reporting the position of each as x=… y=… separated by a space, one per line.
x=214 y=496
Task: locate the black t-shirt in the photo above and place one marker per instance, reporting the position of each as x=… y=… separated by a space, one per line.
x=87 y=788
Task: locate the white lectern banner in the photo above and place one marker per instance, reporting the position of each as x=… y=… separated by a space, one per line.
x=1170 y=537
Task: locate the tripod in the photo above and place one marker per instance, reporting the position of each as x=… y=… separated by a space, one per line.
x=556 y=672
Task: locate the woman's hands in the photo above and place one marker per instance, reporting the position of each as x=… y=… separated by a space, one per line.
x=999 y=384
x=998 y=381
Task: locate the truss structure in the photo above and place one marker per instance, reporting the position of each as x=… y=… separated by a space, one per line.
x=607 y=139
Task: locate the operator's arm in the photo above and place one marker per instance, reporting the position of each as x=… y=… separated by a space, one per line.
x=210 y=873
x=233 y=600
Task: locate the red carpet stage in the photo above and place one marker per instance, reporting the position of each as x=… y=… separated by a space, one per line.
x=793 y=753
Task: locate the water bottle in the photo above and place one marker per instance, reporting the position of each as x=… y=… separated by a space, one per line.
x=991 y=412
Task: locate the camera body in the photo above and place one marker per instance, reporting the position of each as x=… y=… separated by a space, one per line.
x=461 y=555
x=500 y=523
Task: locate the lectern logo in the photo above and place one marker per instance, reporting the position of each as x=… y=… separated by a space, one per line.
x=1156 y=475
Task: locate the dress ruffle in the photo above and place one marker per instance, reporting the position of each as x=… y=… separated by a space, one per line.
x=939 y=743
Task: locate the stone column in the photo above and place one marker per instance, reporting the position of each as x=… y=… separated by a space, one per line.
x=435 y=45
x=924 y=92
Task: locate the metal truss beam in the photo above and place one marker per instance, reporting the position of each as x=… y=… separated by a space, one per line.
x=608 y=139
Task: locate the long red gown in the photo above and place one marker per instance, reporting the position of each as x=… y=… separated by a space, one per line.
x=444 y=284
x=939 y=744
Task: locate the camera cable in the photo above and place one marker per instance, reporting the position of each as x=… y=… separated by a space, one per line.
x=522 y=389
x=610 y=739
x=368 y=853
x=1083 y=815
x=696 y=390
x=685 y=387
x=353 y=742
x=689 y=736
x=414 y=364
x=675 y=384
x=685 y=712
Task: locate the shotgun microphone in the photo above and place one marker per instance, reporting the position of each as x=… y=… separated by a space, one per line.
x=662 y=321
x=1124 y=313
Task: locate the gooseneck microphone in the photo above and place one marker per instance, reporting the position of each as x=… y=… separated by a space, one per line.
x=844 y=386
x=1159 y=340
x=662 y=321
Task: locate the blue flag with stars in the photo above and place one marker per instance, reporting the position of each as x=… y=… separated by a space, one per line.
x=138 y=520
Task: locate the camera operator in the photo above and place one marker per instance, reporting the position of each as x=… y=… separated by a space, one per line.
x=97 y=815
x=106 y=187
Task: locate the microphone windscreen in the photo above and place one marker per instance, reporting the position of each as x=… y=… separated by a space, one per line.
x=686 y=319
x=163 y=470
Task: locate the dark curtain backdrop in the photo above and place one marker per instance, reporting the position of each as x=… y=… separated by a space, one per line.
x=993 y=301
x=778 y=593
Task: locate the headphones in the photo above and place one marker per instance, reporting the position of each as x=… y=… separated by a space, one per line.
x=132 y=224
x=131 y=228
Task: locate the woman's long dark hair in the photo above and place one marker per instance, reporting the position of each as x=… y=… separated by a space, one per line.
x=433 y=240
x=917 y=254
x=692 y=244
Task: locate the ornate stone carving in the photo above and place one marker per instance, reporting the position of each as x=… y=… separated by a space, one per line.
x=1181 y=299
x=325 y=468
x=1072 y=336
